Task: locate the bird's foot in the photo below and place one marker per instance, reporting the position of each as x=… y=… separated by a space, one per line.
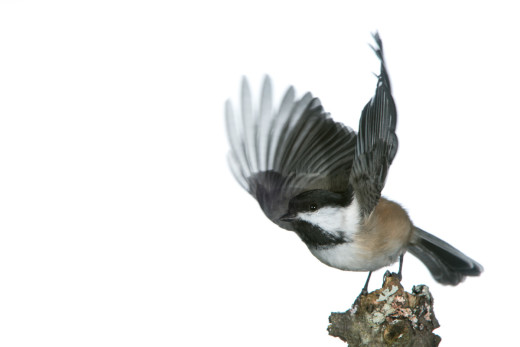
x=398 y=275
x=364 y=292
x=358 y=299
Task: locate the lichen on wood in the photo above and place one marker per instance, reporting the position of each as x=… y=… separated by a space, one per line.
x=389 y=316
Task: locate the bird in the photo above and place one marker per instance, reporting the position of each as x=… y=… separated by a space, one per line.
x=322 y=180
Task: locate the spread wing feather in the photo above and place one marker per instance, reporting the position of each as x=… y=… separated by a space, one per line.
x=376 y=142
x=278 y=154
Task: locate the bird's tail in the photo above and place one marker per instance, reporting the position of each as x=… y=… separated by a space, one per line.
x=447 y=264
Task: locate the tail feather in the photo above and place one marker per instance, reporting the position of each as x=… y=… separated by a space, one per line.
x=447 y=264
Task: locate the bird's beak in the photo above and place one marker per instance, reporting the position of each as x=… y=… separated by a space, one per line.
x=288 y=217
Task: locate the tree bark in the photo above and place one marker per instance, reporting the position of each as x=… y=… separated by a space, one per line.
x=388 y=317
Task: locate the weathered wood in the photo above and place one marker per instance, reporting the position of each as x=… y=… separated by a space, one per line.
x=389 y=316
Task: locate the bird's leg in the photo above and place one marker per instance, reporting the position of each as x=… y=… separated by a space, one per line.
x=400 y=273
x=364 y=291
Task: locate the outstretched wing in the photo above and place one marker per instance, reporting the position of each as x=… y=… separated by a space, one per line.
x=376 y=142
x=278 y=154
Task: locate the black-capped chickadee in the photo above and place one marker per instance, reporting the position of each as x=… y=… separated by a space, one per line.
x=320 y=179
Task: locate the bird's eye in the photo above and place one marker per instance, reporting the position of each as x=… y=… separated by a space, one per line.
x=313 y=207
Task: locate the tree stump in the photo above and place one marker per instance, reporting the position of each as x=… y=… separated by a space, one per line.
x=389 y=316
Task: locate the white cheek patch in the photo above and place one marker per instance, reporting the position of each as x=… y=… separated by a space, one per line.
x=335 y=220
x=327 y=218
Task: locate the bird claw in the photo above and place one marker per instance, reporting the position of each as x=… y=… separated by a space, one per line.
x=358 y=299
x=387 y=274
x=399 y=276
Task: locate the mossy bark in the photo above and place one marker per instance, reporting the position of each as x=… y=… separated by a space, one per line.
x=389 y=316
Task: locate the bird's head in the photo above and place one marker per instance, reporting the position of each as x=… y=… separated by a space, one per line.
x=322 y=218
x=317 y=207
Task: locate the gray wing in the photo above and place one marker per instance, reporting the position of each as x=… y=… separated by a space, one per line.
x=376 y=142
x=278 y=154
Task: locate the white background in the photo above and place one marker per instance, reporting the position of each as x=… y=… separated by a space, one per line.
x=121 y=225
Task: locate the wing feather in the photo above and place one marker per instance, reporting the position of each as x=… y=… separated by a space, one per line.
x=249 y=126
x=277 y=154
x=277 y=123
x=264 y=119
x=376 y=142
